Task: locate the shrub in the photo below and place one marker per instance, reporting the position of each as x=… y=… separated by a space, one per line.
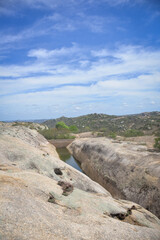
x=16 y=124
x=157 y=134
x=103 y=129
x=47 y=133
x=87 y=129
x=157 y=143
x=113 y=135
x=53 y=133
x=73 y=129
x=61 y=125
x=133 y=133
x=100 y=134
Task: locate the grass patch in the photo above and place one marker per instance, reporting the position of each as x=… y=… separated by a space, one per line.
x=133 y=133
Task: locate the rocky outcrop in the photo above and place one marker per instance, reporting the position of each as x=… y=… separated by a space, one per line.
x=126 y=169
x=43 y=198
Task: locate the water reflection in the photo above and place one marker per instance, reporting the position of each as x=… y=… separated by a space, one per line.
x=65 y=155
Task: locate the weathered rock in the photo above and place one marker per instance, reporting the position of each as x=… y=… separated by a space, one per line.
x=28 y=150
x=32 y=204
x=127 y=170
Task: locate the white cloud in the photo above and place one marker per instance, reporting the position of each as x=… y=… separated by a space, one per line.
x=100 y=53
x=43 y=53
x=78 y=68
x=81 y=80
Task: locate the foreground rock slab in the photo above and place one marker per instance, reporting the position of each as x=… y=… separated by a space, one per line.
x=127 y=169
x=33 y=204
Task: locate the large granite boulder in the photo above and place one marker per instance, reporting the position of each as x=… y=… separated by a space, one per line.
x=126 y=169
x=42 y=198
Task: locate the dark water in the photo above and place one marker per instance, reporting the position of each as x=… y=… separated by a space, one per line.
x=65 y=155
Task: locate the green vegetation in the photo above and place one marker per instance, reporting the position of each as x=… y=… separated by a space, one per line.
x=61 y=131
x=106 y=125
x=25 y=124
x=113 y=135
x=73 y=129
x=87 y=129
x=53 y=133
x=157 y=133
x=144 y=123
x=61 y=125
x=157 y=143
x=16 y=124
x=133 y=133
x=47 y=133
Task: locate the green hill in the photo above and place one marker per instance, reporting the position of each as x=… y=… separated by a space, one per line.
x=144 y=123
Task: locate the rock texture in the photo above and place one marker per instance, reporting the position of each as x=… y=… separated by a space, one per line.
x=42 y=198
x=128 y=170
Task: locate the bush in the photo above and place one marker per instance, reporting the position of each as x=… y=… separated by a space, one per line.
x=61 y=125
x=47 y=133
x=100 y=134
x=16 y=124
x=87 y=129
x=103 y=129
x=73 y=129
x=133 y=133
x=113 y=135
x=157 y=134
x=157 y=143
x=53 y=133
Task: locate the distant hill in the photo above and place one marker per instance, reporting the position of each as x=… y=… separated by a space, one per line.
x=28 y=120
x=38 y=120
x=148 y=123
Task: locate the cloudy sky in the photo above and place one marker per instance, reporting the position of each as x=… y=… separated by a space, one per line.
x=74 y=57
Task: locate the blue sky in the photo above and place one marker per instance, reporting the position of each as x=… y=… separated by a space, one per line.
x=74 y=57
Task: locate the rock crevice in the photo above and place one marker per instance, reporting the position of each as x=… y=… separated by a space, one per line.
x=120 y=167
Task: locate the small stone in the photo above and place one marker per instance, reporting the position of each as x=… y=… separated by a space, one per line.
x=58 y=171
x=51 y=198
x=60 y=183
x=133 y=207
x=66 y=187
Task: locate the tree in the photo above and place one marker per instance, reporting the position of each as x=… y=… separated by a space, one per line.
x=62 y=126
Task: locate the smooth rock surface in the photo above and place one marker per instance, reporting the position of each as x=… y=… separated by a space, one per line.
x=32 y=204
x=126 y=169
